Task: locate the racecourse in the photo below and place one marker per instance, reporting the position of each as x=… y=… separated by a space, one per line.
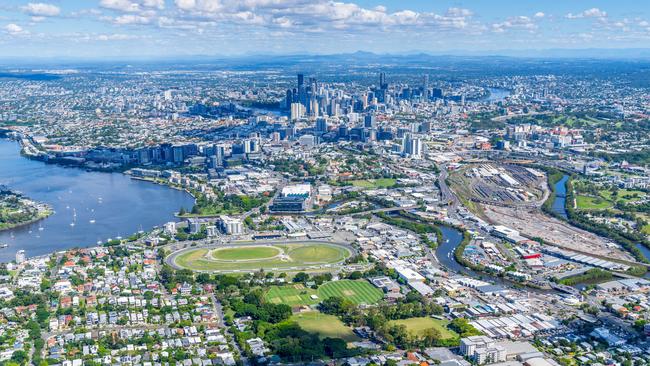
x=288 y=256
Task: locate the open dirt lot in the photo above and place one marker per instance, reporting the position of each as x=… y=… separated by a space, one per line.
x=534 y=223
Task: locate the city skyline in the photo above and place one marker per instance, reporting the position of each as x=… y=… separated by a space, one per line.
x=178 y=28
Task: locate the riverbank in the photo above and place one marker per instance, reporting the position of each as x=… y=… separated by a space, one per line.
x=42 y=216
x=88 y=207
x=30 y=149
x=451 y=241
x=17 y=210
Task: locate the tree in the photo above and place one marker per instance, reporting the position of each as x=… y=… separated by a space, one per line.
x=335 y=347
x=336 y=305
x=301 y=277
x=19 y=357
x=278 y=312
x=355 y=275
x=42 y=314
x=463 y=327
x=203 y=278
x=431 y=336
x=255 y=297
x=167 y=274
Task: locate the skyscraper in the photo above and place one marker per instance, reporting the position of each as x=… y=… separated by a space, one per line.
x=383 y=88
x=297 y=111
x=321 y=125
x=289 y=99
x=302 y=95
x=425 y=87
x=412 y=147
x=369 y=121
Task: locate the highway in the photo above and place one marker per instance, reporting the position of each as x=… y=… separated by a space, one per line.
x=446 y=194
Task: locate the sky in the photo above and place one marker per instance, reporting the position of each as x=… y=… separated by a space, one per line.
x=177 y=28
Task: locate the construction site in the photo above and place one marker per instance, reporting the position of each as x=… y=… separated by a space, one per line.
x=512 y=195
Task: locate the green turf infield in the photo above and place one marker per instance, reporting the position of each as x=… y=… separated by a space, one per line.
x=287 y=257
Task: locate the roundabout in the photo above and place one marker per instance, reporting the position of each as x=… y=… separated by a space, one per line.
x=270 y=256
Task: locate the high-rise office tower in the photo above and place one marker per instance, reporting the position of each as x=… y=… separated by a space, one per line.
x=289 y=99
x=369 y=121
x=302 y=95
x=321 y=125
x=297 y=111
x=313 y=107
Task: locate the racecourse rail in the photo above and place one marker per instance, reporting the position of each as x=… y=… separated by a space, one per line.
x=349 y=251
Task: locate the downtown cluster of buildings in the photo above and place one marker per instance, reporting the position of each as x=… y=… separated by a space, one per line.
x=333 y=160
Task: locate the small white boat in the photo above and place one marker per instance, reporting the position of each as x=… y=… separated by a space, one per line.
x=72 y=224
x=92 y=221
x=4 y=245
x=41 y=228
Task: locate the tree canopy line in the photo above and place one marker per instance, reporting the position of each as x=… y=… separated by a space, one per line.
x=244 y=296
x=582 y=220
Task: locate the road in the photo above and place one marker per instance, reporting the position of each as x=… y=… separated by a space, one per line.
x=446 y=194
x=218 y=309
x=386 y=209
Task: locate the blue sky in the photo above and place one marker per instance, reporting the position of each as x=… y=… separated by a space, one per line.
x=152 y=28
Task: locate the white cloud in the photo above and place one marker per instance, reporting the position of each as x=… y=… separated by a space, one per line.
x=589 y=13
x=316 y=15
x=594 y=13
x=540 y=14
x=459 y=12
x=132 y=6
x=158 y=4
x=41 y=9
x=185 y=4
x=121 y=5
x=14 y=29
x=115 y=37
x=131 y=19
x=518 y=22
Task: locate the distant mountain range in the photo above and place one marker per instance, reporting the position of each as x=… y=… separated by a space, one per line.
x=596 y=53
x=499 y=57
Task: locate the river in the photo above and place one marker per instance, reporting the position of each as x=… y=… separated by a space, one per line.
x=559 y=205
x=496 y=95
x=100 y=205
x=451 y=238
